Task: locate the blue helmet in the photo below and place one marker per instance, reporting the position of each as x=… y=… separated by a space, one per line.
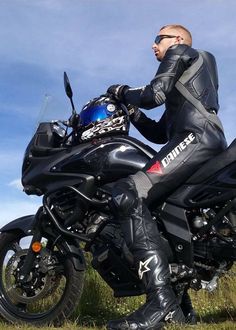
x=101 y=116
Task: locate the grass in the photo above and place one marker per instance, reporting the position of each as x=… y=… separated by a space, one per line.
x=215 y=310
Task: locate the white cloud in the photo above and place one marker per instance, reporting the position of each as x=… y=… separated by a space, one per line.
x=16 y=184
x=10 y=160
x=15 y=209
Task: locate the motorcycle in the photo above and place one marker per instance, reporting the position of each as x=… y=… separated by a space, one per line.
x=42 y=263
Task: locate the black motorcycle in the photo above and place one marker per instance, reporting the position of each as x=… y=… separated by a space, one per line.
x=42 y=263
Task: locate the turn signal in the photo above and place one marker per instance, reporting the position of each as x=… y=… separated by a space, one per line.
x=36 y=247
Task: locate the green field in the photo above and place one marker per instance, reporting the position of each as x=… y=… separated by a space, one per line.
x=215 y=310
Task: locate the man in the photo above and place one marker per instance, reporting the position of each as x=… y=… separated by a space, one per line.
x=186 y=81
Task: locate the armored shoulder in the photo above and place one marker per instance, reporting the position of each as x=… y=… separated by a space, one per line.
x=177 y=59
x=179 y=53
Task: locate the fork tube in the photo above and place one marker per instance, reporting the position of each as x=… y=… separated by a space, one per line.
x=31 y=255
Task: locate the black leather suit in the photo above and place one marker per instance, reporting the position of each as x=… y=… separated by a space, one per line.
x=191 y=137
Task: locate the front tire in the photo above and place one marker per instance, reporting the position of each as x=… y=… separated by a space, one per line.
x=50 y=295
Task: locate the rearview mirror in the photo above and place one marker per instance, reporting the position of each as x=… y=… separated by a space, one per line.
x=67 y=85
x=69 y=92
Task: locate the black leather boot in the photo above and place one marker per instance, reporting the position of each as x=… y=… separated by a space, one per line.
x=187 y=308
x=161 y=305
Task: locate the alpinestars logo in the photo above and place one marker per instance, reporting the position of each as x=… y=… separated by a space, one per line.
x=177 y=150
x=143 y=267
x=169 y=316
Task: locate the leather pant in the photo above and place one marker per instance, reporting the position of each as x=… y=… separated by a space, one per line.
x=164 y=173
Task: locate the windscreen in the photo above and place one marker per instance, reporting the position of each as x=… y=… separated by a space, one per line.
x=53 y=109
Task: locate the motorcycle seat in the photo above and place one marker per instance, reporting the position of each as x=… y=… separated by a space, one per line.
x=212 y=166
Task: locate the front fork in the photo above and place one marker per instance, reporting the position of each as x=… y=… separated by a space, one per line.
x=31 y=255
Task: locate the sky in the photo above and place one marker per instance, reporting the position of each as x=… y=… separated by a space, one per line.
x=98 y=43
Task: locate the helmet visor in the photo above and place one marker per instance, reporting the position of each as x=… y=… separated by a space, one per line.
x=93 y=114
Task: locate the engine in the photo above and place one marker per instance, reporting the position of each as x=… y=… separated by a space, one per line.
x=218 y=241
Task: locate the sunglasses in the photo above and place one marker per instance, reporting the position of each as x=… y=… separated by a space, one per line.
x=163 y=36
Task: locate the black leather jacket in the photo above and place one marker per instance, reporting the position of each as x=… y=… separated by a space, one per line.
x=180 y=115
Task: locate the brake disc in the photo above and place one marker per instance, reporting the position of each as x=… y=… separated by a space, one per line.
x=38 y=285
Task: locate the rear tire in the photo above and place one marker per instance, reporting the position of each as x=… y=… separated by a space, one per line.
x=19 y=304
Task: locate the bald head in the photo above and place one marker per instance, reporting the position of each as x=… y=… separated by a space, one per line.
x=179 y=30
x=168 y=36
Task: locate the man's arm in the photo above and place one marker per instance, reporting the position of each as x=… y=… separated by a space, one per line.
x=177 y=59
x=152 y=130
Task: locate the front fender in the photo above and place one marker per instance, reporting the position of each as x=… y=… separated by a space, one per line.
x=26 y=225
x=74 y=251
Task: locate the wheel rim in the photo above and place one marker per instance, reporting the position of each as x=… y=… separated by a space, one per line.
x=45 y=286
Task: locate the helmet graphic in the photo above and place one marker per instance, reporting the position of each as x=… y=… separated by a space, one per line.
x=102 y=116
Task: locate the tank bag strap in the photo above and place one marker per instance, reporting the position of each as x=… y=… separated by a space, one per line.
x=193 y=100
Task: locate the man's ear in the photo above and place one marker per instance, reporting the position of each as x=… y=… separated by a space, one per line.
x=180 y=40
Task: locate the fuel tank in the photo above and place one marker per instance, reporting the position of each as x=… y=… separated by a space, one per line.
x=99 y=161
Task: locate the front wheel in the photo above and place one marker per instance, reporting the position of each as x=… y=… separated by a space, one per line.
x=53 y=287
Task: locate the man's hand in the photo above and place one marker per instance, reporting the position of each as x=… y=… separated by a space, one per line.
x=131 y=109
x=134 y=112
x=117 y=91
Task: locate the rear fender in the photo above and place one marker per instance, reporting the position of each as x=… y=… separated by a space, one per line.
x=26 y=226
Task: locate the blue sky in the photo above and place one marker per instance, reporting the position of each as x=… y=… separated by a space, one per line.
x=98 y=43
